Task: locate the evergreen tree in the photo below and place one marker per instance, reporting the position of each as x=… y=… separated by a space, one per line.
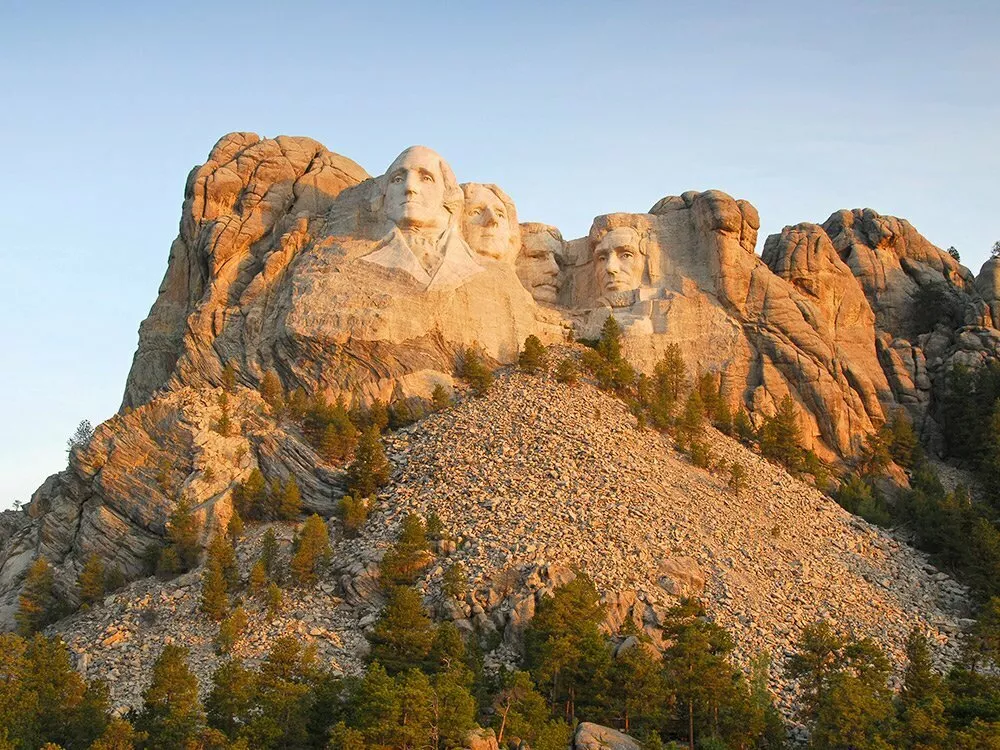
x=222 y=554
x=182 y=534
x=903 y=443
x=567 y=371
x=298 y=404
x=779 y=437
x=258 y=579
x=269 y=553
x=91 y=581
x=224 y=425
x=171 y=714
x=272 y=392
x=922 y=699
x=118 y=735
x=518 y=709
x=370 y=469
x=229 y=377
x=743 y=428
x=235 y=528
x=454 y=581
x=475 y=372
x=81 y=436
x=609 y=345
x=637 y=690
x=38 y=605
x=230 y=630
x=353 y=514
x=533 y=356
x=692 y=421
x=312 y=550
x=274 y=600
x=405 y=560
x=290 y=501
x=565 y=650
x=214 y=601
x=403 y=634
x=440 y=398
x=231 y=703
x=737 y=478
x=250 y=497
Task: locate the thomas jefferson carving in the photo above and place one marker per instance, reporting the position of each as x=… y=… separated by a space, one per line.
x=489 y=222
x=542 y=249
x=420 y=195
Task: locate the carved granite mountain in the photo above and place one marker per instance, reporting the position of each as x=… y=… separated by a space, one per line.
x=291 y=258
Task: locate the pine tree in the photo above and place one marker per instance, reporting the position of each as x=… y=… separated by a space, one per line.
x=567 y=371
x=454 y=581
x=231 y=703
x=404 y=561
x=235 y=527
x=222 y=553
x=118 y=735
x=171 y=714
x=922 y=699
x=353 y=514
x=370 y=469
x=637 y=692
x=91 y=581
x=230 y=629
x=258 y=579
x=440 y=398
x=229 y=377
x=81 y=436
x=780 y=439
x=272 y=392
x=533 y=356
x=274 y=600
x=214 y=601
x=312 y=551
x=38 y=604
x=475 y=372
x=290 y=501
x=403 y=634
x=182 y=534
x=565 y=650
x=224 y=425
x=298 y=404
x=250 y=497
x=269 y=553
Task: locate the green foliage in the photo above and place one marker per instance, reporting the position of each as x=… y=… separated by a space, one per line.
x=269 y=553
x=171 y=714
x=289 y=504
x=81 y=436
x=370 y=469
x=38 y=604
x=692 y=421
x=274 y=599
x=567 y=371
x=953 y=252
x=353 y=514
x=565 y=650
x=533 y=356
x=229 y=377
x=638 y=693
x=311 y=551
x=403 y=634
x=298 y=405
x=858 y=496
x=273 y=392
x=606 y=363
x=454 y=581
x=214 y=599
x=183 y=531
x=224 y=425
x=408 y=557
x=250 y=497
x=933 y=305
x=235 y=527
x=609 y=345
x=43 y=699
x=475 y=372
x=743 y=427
x=780 y=439
x=440 y=398
x=435 y=527
x=230 y=629
x=846 y=696
x=329 y=429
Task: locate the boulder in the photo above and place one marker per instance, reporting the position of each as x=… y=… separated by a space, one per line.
x=590 y=736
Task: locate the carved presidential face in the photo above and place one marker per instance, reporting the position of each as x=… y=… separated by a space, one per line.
x=415 y=190
x=538 y=264
x=486 y=222
x=618 y=261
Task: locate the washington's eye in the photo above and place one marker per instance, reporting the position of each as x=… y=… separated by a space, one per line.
x=397 y=178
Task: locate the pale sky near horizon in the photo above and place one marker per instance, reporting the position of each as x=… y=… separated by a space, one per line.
x=575 y=109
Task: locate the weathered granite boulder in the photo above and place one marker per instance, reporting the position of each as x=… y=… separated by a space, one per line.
x=590 y=736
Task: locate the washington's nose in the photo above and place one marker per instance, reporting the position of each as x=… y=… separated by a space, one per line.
x=411 y=183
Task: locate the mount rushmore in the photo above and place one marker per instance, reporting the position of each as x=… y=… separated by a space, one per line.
x=291 y=258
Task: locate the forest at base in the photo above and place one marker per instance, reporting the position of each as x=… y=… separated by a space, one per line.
x=425 y=685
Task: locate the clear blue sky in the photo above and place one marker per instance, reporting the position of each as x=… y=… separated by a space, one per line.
x=576 y=109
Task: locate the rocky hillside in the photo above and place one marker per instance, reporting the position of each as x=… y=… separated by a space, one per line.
x=539 y=478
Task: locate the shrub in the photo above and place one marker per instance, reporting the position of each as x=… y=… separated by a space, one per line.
x=230 y=630
x=224 y=425
x=91 y=581
x=440 y=399
x=737 y=478
x=272 y=392
x=567 y=371
x=312 y=550
x=533 y=356
x=353 y=514
x=475 y=372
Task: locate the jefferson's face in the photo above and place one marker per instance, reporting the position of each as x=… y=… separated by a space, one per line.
x=414 y=196
x=485 y=223
x=538 y=268
x=618 y=262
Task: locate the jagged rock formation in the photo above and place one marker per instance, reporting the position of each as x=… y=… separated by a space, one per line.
x=292 y=258
x=558 y=477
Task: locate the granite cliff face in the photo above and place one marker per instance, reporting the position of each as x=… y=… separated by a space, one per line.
x=292 y=258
